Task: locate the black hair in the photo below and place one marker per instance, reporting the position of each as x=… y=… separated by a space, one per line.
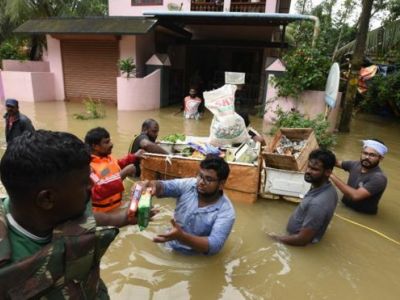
x=37 y=158
x=325 y=156
x=219 y=165
x=147 y=124
x=95 y=135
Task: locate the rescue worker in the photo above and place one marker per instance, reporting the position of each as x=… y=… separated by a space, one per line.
x=107 y=173
x=50 y=242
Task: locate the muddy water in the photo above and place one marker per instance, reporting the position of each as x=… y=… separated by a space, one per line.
x=353 y=261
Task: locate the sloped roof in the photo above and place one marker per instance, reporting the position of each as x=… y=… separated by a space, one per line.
x=93 y=25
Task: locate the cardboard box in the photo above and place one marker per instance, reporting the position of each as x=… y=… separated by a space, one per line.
x=289 y=162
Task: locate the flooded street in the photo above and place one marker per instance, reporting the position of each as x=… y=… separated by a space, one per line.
x=358 y=258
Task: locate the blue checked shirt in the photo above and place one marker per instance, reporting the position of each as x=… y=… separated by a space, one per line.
x=214 y=221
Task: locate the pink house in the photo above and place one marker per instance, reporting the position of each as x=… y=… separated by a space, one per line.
x=176 y=44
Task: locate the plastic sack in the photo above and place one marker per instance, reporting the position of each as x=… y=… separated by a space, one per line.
x=227 y=127
x=204 y=149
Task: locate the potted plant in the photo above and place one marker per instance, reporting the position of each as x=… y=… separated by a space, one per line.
x=127 y=66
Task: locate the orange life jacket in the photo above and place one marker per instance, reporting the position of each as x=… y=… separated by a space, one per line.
x=105 y=167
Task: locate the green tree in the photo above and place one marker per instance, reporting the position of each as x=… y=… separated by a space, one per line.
x=356 y=63
x=335 y=30
x=19 y=11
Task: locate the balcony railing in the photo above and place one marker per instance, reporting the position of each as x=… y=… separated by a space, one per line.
x=235 y=6
x=248 y=7
x=206 y=6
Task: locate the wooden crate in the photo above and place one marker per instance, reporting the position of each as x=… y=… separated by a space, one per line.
x=289 y=162
x=242 y=184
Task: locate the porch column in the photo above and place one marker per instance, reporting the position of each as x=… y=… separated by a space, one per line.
x=227 y=5
x=56 y=66
x=271 y=6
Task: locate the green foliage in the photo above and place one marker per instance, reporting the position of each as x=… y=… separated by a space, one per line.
x=10 y=50
x=94 y=110
x=382 y=91
x=173 y=138
x=293 y=119
x=306 y=69
x=15 y=12
x=127 y=66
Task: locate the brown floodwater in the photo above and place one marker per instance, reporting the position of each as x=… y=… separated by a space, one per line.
x=358 y=257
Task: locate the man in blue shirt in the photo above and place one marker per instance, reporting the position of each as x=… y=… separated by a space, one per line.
x=203 y=216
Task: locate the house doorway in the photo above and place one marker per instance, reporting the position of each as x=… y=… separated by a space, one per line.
x=206 y=67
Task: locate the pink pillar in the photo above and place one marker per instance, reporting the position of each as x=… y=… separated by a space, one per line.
x=1 y=89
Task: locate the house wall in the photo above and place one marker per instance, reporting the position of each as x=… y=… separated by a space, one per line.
x=56 y=66
x=310 y=103
x=124 y=7
x=127 y=47
x=25 y=65
x=139 y=93
x=37 y=86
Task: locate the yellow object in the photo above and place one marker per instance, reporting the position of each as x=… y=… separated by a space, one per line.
x=368 y=228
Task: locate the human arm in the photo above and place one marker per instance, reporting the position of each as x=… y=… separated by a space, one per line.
x=198 y=243
x=151 y=147
x=354 y=194
x=306 y=221
x=168 y=188
x=131 y=158
x=338 y=164
x=106 y=187
x=302 y=238
x=207 y=234
x=358 y=194
x=117 y=218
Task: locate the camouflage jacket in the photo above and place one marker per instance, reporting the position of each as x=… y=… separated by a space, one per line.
x=66 y=268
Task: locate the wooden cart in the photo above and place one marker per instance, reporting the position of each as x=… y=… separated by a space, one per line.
x=242 y=184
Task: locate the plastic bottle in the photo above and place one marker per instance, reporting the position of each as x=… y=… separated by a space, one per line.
x=135 y=197
x=144 y=209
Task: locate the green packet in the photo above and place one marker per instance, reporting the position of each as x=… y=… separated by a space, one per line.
x=144 y=209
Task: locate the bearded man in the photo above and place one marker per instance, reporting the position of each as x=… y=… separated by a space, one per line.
x=311 y=218
x=366 y=182
x=204 y=216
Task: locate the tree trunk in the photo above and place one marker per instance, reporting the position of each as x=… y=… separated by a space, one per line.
x=356 y=63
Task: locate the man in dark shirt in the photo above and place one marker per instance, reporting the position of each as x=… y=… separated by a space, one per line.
x=147 y=141
x=16 y=123
x=366 y=182
x=311 y=218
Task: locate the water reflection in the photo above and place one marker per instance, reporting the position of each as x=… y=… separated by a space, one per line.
x=351 y=262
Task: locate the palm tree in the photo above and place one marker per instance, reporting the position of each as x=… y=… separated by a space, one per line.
x=19 y=11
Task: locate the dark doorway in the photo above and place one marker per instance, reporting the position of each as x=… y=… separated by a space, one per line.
x=206 y=67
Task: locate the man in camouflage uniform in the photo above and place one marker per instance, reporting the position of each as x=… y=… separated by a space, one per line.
x=50 y=241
